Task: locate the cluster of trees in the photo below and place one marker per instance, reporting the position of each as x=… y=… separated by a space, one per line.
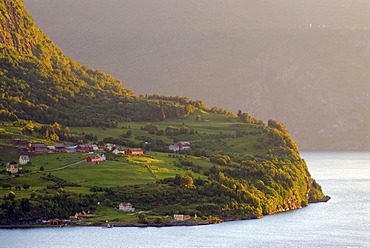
x=221 y=111
x=152 y=129
x=174 y=131
x=5 y=115
x=177 y=99
x=188 y=165
x=53 y=132
x=44 y=206
x=246 y=118
x=220 y=159
x=279 y=136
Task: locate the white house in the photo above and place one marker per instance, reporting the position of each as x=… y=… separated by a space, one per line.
x=184 y=145
x=109 y=146
x=178 y=217
x=102 y=157
x=126 y=206
x=174 y=147
x=118 y=150
x=181 y=217
x=51 y=148
x=24 y=159
x=179 y=146
x=12 y=167
x=95 y=148
x=71 y=148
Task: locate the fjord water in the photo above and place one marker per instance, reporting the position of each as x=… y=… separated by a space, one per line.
x=344 y=221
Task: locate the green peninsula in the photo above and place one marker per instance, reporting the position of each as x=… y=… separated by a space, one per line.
x=78 y=148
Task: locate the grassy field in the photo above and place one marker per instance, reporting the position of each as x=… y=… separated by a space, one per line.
x=105 y=174
x=113 y=215
x=215 y=134
x=8 y=131
x=55 y=160
x=211 y=124
x=118 y=172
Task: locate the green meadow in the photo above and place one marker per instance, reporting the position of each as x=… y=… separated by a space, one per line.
x=123 y=170
x=214 y=133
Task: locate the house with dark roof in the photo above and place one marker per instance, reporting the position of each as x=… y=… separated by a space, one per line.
x=118 y=150
x=60 y=148
x=71 y=148
x=39 y=147
x=12 y=167
x=84 y=148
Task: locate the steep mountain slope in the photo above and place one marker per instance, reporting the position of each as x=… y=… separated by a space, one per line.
x=302 y=62
x=39 y=82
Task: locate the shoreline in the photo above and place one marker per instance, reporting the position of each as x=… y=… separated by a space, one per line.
x=325 y=199
x=173 y=224
x=29 y=226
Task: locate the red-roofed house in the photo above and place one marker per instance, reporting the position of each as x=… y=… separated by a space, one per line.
x=135 y=151
x=93 y=159
x=39 y=147
x=84 y=148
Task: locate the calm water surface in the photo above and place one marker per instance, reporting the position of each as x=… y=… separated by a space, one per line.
x=344 y=221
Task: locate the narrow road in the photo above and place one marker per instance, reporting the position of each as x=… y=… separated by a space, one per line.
x=65 y=167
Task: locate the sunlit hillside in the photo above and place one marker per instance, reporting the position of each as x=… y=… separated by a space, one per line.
x=302 y=62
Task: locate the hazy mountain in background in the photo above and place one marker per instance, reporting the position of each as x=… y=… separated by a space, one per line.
x=305 y=63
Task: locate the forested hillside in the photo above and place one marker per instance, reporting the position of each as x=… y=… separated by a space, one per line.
x=38 y=82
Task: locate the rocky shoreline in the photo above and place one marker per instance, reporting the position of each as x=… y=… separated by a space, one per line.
x=325 y=199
